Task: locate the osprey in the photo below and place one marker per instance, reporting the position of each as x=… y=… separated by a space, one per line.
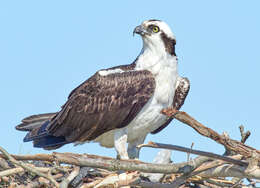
x=119 y=105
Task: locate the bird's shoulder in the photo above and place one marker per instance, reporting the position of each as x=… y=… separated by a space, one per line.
x=122 y=78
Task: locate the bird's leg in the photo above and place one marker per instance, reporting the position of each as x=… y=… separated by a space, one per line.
x=132 y=150
x=171 y=111
x=120 y=142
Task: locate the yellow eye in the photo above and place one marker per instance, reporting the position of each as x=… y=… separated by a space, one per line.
x=156 y=29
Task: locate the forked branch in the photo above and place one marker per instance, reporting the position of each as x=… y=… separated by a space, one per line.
x=230 y=144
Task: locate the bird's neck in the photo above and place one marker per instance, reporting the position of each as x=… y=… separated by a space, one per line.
x=153 y=59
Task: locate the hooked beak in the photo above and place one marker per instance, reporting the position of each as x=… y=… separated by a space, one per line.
x=140 y=30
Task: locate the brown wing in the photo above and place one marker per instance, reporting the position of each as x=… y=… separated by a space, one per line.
x=102 y=103
x=181 y=92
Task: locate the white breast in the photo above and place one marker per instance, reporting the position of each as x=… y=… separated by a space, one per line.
x=149 y=118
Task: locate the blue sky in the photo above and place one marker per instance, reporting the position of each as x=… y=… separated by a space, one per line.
x=49 y=47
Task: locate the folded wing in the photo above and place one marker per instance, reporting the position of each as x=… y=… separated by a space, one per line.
x=100 y=104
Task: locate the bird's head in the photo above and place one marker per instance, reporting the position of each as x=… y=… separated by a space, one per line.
x=157 y=34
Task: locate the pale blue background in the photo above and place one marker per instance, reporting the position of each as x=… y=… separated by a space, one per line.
x=47 y=48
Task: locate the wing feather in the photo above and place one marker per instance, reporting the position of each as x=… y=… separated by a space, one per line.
x=102 y=103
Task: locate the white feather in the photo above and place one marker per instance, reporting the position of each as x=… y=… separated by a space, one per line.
x=164 y=68
x=107 y=72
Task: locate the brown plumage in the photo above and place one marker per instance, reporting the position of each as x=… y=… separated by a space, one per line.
x=102 y=103
x=169 y=44
x=98 y=105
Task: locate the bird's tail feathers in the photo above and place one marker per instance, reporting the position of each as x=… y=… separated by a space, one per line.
x=49 y=142
x=38 y=133
x=34 y=121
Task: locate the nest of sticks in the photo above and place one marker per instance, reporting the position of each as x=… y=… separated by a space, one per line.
x=238 y=167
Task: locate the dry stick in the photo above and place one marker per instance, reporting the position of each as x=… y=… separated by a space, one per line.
x=34 y=184
x=4 y=165
x=72 y=175
x=237 y=183
x=11 y=171
x=28 y=168
x=110 y=163
x=138 y=182
x=188 y=154
x=119 y=180
x=244 y=135
x=207 y=184
x=207 y=167
x=147 y=184
x=230 y=144
x=182 y=179
x=188 y=150
x=91 y=184
x=230 y=171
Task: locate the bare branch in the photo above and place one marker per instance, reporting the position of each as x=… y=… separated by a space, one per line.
x=188 y=150
x=230 y=144
x=227 y=170
x=109 y=163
